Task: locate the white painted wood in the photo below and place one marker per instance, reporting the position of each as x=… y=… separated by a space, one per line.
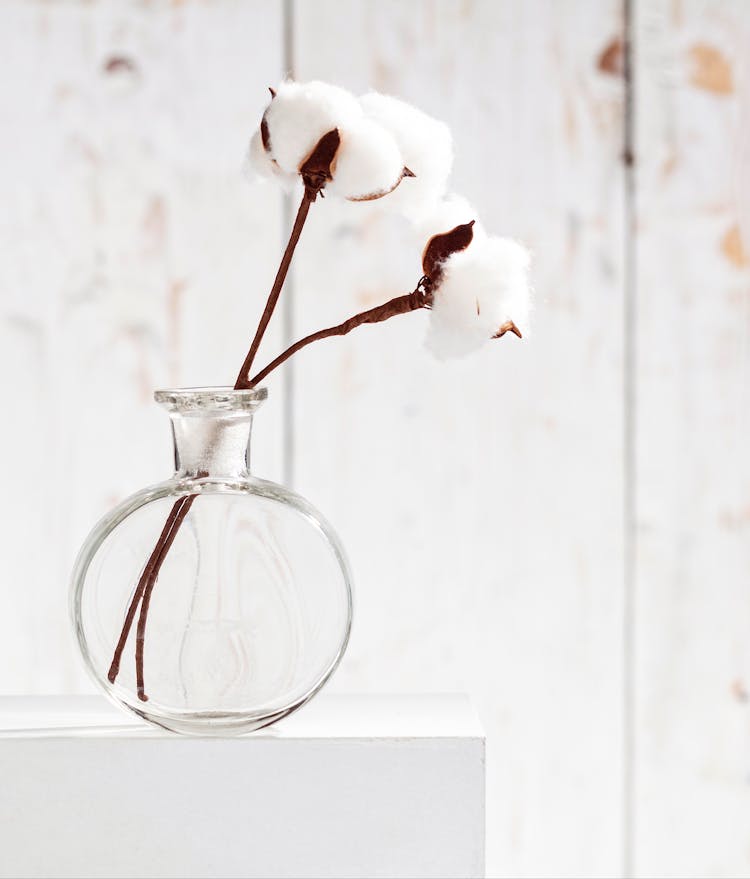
x=349 y=787
x=481 y=502
x=133 y=256
x=693 y=613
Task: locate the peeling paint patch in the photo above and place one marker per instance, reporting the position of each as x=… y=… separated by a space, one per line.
x=733 y=248
x=669 y=165
x=739 y=690
x=611 y=59
x=175 y=294
x=710 y=70
x=155 y=225
x=571 y=128
x=677 y=13
x=734 y=520
x=119 y=64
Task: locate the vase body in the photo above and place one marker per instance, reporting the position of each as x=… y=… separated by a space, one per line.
x=250 y=610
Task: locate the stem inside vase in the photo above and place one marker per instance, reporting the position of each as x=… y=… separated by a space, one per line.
x=177 y=515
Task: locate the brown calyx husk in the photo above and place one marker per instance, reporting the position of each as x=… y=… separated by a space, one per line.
x=317 y=169
x=372 y=196
x=440 y=247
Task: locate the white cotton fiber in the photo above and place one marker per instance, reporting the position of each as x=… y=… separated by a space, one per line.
x=426 y=147
x=368 y=163
x=260 y=164
x=481 y=288
x=300 y=114
x=258 y=158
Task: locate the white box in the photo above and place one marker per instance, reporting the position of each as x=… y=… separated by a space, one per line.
x=350 y=786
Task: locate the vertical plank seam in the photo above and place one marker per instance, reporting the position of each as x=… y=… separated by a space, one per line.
x=629 y=447
x=288 y=312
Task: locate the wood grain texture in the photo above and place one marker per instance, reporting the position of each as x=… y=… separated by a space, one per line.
x=693 y=470
x=133 y=256
x=481 y=501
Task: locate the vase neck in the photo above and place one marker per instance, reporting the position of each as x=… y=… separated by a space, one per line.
x=211 y=429
x=211 y=446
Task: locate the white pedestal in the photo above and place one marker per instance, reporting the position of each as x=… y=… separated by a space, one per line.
x=350 y=786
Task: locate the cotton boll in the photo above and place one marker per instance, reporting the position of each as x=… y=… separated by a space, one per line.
x=426 y=147
x=300 y=114
x=368 y=163
x=481 y=288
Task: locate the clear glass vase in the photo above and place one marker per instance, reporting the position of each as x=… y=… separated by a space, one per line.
x=251 y=608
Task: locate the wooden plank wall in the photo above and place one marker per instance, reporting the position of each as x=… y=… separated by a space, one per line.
x=692 y=742
x=449 y=482
x=133 y=257
x=555 y=526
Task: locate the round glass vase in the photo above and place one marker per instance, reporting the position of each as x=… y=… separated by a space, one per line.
x=250 y=609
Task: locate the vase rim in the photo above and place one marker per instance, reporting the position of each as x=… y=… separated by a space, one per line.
x=210 y=399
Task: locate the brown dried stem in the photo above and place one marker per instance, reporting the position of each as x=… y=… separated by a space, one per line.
x=419 y=298
x=315 y=172
x=182 y=508
x=308 y=198
x=152 y=566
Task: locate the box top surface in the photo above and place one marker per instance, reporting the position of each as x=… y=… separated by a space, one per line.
x=328 y=716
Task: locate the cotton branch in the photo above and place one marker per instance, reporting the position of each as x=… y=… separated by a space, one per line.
x=315 y=173
x=419 y=298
